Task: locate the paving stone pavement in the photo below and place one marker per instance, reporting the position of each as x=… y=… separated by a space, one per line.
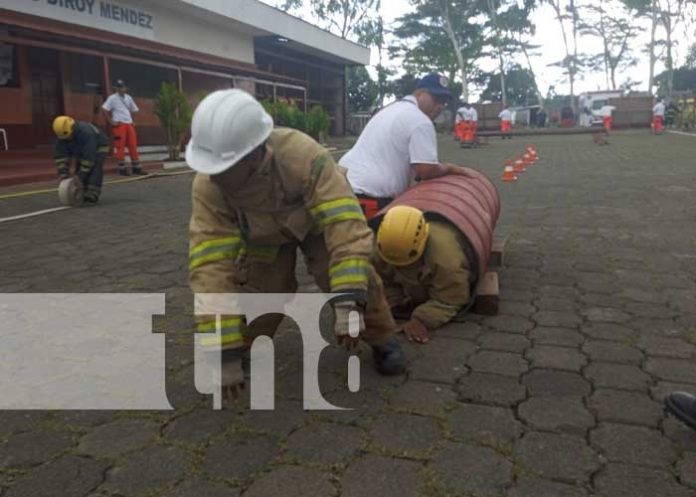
x=557 y=396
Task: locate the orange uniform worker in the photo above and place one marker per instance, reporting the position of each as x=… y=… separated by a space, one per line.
x=658 y=117
x=462 y=122
x=118 y=109
x=505 y=117
x=607 y=119
x=473 y=117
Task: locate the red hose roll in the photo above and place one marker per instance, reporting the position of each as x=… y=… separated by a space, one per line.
x=472 y=204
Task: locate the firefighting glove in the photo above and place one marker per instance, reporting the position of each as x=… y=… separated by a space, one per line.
x=344 y=325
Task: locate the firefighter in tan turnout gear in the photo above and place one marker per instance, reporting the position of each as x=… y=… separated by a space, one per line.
x=260 y=193
x=425 y=268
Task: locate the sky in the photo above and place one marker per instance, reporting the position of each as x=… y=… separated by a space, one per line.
x=549 y=38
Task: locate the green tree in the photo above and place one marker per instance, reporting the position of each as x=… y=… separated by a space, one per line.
x=566 y=13
x=362 y=90
x=520 y=87
x=691 y=57
x=174 y=112
x=508 y=22
x=611 y=24
x=683 y=79
x=345 y=18
x=441 y=35
x=647 y=9
x=668 y=15
x=404 y=85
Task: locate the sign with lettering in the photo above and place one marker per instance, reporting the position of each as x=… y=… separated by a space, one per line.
x=115 y=16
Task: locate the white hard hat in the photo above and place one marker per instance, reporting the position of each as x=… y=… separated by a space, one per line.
x=227 y=125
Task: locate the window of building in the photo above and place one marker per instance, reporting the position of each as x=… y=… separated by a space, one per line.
x=143 y=81
x=86 y=73
x=9 y=66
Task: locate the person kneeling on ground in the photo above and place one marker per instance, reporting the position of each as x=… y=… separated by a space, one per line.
x=425 y=268
x=88 y=146
x=259 y=195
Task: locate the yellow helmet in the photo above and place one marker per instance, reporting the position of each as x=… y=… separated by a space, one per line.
x=63 y=127
x=402 y=235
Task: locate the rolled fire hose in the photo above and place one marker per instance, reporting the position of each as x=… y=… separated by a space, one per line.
x=71 y=192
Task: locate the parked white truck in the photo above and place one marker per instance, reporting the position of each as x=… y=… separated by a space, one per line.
x=590 y=103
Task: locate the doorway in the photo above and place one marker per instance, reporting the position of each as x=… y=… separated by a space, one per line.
x=46 y=92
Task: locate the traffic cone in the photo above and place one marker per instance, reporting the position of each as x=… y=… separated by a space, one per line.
x=519 y=166
x=527 y=159
x=509 y=173
x=532 y=151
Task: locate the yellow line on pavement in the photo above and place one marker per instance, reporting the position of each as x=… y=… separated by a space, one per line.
x=116 y=182
x=113 y=182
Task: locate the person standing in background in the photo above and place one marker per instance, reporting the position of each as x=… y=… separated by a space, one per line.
x=473 y=115
x=658 y=117
x=505 y=117
x=607 y=117
x=119 y=109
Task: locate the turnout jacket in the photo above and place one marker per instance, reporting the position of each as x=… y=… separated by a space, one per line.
x=439 y=284
x=297 y=190
x=86 y=143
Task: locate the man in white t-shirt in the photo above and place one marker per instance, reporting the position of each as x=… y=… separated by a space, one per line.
x=505 y=117
x=118 y=110
x=397 y=145
x=462 y=121
x=607 y=119
x=658 y=117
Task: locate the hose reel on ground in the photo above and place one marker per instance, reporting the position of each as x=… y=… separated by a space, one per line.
x=71 y=192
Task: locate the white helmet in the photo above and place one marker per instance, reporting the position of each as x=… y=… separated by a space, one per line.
x=227 y=125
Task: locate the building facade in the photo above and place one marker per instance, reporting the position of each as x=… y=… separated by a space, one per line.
x=61 y=57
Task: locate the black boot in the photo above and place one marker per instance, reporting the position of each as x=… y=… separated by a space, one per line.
x=683 y=406
x=389 y=358
x=122 y=169
x=137 y=170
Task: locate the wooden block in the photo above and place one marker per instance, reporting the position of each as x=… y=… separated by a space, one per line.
x=497 y=258
x=487 y=295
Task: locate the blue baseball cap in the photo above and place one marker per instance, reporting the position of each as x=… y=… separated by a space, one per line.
x=435 y=83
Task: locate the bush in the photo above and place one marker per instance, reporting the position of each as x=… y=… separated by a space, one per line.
x=315 y=123
x=318 y=123
x=174 y=113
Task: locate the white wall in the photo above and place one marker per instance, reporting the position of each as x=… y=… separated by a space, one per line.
x=146 y=20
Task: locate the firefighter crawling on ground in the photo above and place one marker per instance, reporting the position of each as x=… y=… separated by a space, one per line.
x=259 y=195
x=425 y=268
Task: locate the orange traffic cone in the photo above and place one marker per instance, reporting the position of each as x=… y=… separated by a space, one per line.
x=532 y=150
x=509 y=174
x=527 y=159
x=519 y=165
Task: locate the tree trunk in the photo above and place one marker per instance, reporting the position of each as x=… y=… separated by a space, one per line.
x=501 y=62
x=502 y=79
x=613 y=78
x=444 y=10
x=605 y=44
x=670 y=61
x=574 y=14
x=540 y=97
x=568 y=62
x=651 y=48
